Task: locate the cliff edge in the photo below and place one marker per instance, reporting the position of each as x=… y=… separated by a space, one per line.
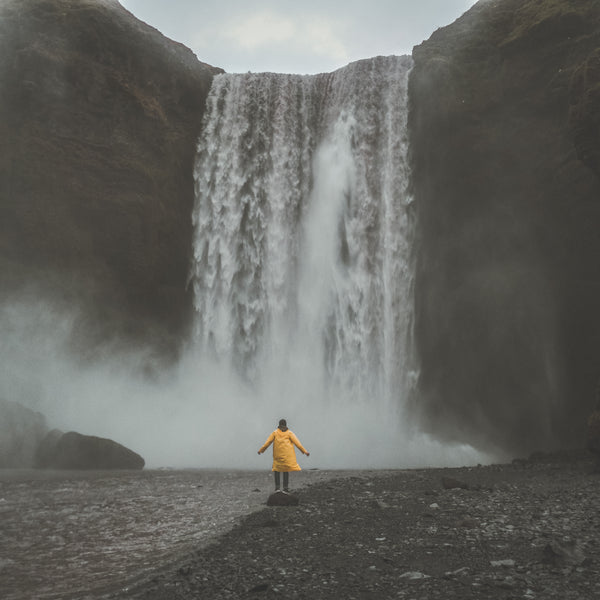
x=99 y=117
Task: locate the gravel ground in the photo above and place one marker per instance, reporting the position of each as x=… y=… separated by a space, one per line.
x=527 y=530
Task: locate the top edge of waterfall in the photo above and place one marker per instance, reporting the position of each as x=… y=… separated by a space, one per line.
x=400 y=57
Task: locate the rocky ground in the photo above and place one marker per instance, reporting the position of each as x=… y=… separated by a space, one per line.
x=525 y=530
x=82 y=534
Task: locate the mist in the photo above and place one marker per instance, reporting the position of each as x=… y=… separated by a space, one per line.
x=302 y=276
x=198 y=414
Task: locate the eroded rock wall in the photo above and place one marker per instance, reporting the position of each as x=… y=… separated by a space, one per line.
x=506 y=155
x=99 y=117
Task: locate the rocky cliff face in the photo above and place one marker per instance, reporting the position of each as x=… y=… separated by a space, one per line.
x=505 y=133
x=99 y=117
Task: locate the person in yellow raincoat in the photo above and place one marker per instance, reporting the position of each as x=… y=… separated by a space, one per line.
x=284 y=456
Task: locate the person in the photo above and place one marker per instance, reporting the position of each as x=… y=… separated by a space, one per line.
x=284 y=456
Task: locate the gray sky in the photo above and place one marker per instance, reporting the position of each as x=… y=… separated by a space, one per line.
x=296 y=36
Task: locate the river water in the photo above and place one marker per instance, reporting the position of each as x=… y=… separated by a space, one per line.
x=83 y=535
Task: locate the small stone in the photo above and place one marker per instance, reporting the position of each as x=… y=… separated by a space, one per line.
x=461 y=571
x=413 y=575
x=563 y=553
x=468 y=523
x=508 y=562
x=507 y=584
x=257 y=589
x=449 y=483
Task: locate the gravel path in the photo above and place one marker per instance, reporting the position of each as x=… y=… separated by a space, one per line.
x=526 y=530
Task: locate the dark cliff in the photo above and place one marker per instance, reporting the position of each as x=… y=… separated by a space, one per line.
x=505 y=130
x=99 y=117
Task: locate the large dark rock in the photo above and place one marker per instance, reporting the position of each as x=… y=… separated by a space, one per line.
x=505 y=134
x=99 y=117
x=21 y=431
x=76 y=451
x=282 y=499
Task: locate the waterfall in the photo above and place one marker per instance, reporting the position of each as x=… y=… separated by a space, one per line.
x=302 y=278
x=302 y=269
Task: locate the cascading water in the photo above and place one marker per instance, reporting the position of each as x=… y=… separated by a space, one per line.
x=302 y=267
x=302 y=273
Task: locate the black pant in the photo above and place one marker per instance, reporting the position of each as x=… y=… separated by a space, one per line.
x=286 y=478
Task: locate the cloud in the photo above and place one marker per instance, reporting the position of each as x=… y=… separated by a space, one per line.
x=321 y=36
x=260 y=30
x=269 y=31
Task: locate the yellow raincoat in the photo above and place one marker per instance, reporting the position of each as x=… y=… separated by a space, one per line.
x=284 y=457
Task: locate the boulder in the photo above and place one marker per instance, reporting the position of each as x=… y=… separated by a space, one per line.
x=21 y=431
x=76 y=451
x=561 y=553
x=282 y=499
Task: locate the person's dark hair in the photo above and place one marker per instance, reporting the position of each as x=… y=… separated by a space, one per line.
x=282 y=423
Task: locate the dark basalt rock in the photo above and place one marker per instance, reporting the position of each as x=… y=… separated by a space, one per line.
x=449 y=483
x=99 y=118
x=76 y=451
x=504 y=125
x=282 y=499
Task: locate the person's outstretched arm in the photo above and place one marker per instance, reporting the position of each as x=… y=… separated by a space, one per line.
x=267 y=443
x=298 y=445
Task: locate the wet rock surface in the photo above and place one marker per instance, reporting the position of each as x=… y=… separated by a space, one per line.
x=525 y=530
x=84 y=534
x=280 y=498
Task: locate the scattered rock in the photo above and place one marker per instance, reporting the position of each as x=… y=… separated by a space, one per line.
x=345 y=549
x=468 y=524
x=507 y=562
x=414 y=575
x=270 y=523
x=562 y=554
x=457 y=572
x=450 y=483
x=258 y=589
